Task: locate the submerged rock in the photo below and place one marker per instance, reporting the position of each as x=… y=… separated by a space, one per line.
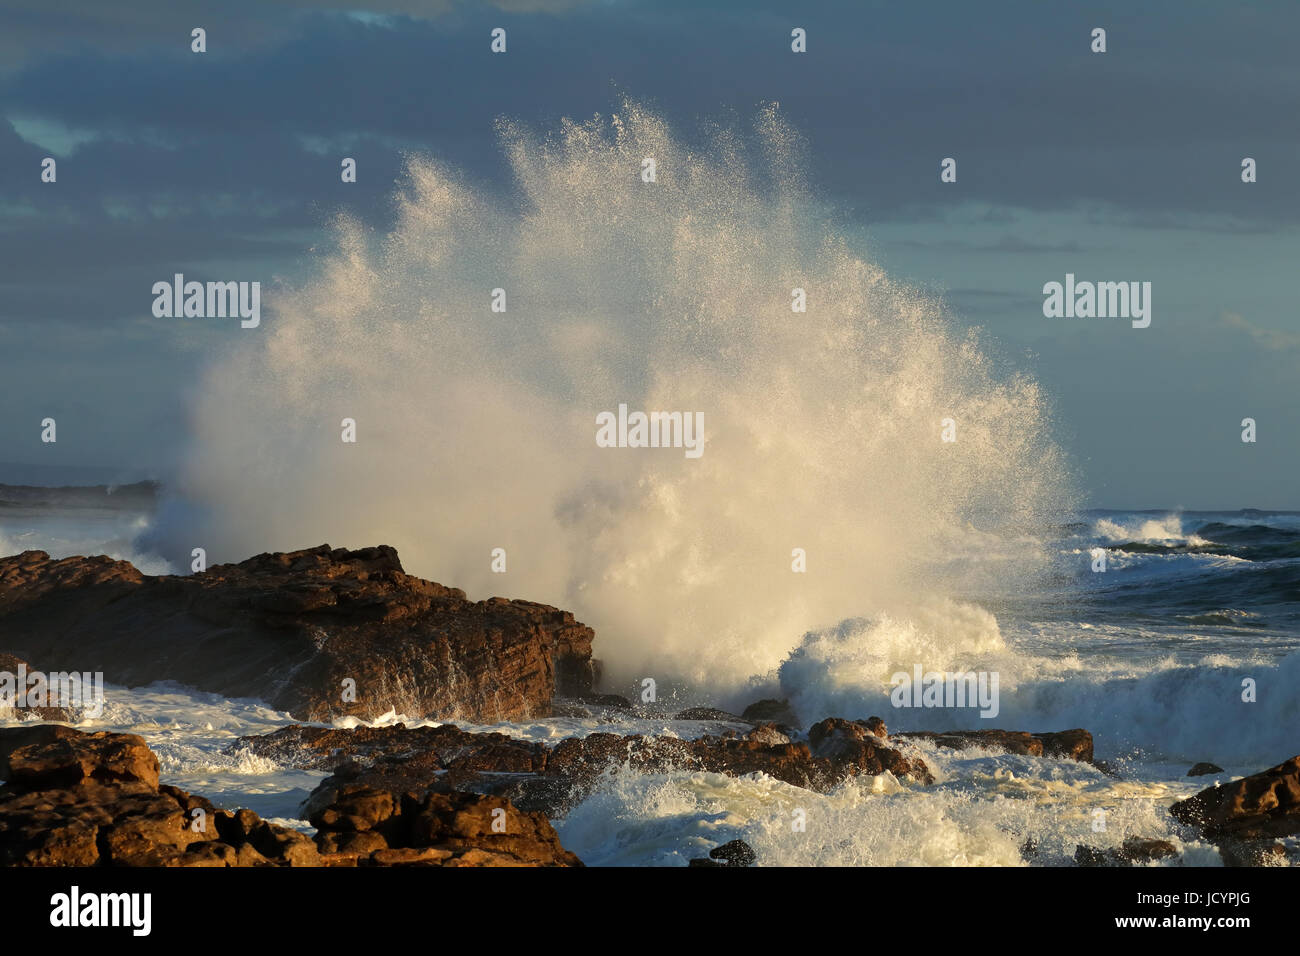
x=364 y=826
x=1071 y=744
x=1203 y=768
x=537 y=777
x=1133 y=851
x=321 y=633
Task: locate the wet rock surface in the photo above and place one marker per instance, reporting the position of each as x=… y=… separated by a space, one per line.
x=93 y=799
x=79 y=799
x=1072 y=744
x=1262 y=806
x=365 y=826
x=293 y=628
x=544 y=778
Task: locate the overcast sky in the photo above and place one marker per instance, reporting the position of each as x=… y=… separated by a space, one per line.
x=1117 y=166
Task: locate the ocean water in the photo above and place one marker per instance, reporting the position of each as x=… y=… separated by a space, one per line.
x=822 y=434
x=1149 y=655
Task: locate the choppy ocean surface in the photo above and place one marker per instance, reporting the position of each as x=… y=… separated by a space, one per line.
x=1149 y=655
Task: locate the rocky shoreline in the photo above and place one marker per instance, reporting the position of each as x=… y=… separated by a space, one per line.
x=296 y=628
x=319 y=633
x=93 y=799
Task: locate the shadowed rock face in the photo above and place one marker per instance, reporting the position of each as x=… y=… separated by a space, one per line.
x=1259 y=807
x=292 y=628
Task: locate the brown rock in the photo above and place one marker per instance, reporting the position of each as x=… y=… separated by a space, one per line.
x=358 y=843
x=410 y=856
x=854 y=746
x=1071 y=744
x=49 y=756
x=1133 y=850
x=734 y=853
x=446 y=747
x=768 y=734
x=772 y=711
x=354 y=807
x=439 y=829
x=290 y=628
x=1141 y=850
x=79 y=799
x=709 y=713
x=424 y=761
x=877 y=727
x=1263 y=805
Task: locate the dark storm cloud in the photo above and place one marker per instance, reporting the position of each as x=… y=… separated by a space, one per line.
x=226 y=166
x=1159 y=123
x=37 y=27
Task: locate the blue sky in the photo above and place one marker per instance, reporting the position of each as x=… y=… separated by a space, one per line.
x=1115 y=166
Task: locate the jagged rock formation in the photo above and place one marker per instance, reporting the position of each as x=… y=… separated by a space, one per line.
x=77 y=799
x=293 y=629
x=424 y=760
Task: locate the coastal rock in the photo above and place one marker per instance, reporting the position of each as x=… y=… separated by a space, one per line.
x=1255 y=853
x=1071 y=744
x=428 y=749
x=294 y=629
x=390 y=828
x=1133 y=851
x=419 y=760
x=538 y=778
x=877 y=726
x=1203 y=768
x=582 y=759
x=1143 y=849
x=771 y=711
x=709 y=713
x=1262 y=806
x=770 y=734
x=733 y=853
x=14 y=665
x=855 y=744
x=77 y=799
x=51 y=756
